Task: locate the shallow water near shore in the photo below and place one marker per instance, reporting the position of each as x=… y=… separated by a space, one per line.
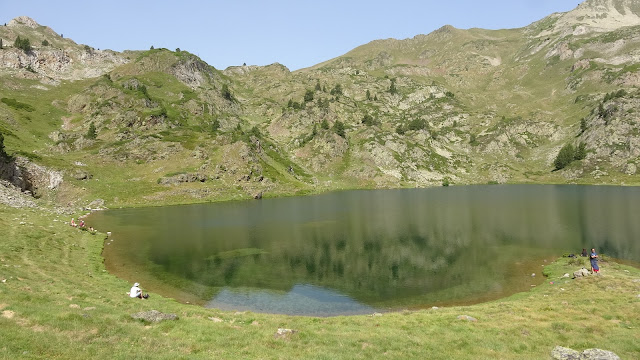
x=357 y=252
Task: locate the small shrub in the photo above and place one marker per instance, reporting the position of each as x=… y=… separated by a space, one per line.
x=392 y=87
x=226 y=93
x=417 y=124
x=308 y=96
x=215 y=126
x=3 y=154
x=337 y=90
x=473 y=141
x=91 y=132
x=23 y=44
x=338 y=128
x=45 y=42
x=564 y=157
x=581 y=151
x=368 y=120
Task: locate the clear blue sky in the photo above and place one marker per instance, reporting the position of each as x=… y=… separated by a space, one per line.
x=296 y=33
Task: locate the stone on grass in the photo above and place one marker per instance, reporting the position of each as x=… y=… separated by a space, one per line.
x=153 y=316
x=215 y=319
x=467 y=317
x=563 y=353
x=284 y=333
x=581 y=273
x=598 y=354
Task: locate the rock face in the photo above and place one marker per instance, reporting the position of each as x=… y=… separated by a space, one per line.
x=562 y=353
x=12 y=196
x=154 y=316
x=28 y=176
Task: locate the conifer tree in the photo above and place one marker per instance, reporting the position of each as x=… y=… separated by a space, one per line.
x=338 y=128
x=91 y=133
x=3 y=154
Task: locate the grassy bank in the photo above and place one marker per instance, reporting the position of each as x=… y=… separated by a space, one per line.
x=57 y=301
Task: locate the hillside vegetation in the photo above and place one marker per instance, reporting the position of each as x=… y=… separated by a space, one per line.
x=454 y=106
x=84 y=128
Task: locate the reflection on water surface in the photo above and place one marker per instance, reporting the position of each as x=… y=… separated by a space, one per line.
x=378 y=249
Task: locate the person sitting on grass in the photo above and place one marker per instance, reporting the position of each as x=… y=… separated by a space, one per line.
x=136 y=292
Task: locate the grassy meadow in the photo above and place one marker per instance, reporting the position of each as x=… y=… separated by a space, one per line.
x=58 y=302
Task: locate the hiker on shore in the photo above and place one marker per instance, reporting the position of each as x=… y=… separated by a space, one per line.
x=584 y=252
x=73 y=222
x=594 y=261
x=136 y=292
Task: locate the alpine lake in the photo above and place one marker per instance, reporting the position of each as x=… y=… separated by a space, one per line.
x=365 y=251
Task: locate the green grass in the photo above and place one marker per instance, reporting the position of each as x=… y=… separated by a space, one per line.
x=13 y=103
x=59 y=302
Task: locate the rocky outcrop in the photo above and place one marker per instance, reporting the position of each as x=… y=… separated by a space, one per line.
x=192 y=72
x=29 y=177
x=183 y=178
x=12 y=196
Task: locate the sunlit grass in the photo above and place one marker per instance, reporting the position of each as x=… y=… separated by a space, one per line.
x=58 y=301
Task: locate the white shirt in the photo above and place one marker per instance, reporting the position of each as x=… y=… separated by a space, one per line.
x=135 y=291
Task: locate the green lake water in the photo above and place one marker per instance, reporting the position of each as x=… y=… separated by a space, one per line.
x=356 y=252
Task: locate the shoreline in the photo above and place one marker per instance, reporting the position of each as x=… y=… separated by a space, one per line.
x=58 y=301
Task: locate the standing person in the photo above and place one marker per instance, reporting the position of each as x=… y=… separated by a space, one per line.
x=594 y=261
